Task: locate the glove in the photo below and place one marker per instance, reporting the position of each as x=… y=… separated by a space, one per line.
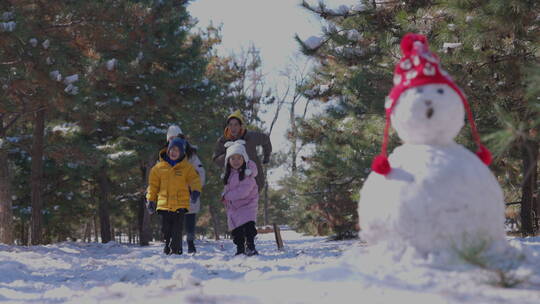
x=195 y=195
x=151 y=207
x=182 y=211
x=223 y=195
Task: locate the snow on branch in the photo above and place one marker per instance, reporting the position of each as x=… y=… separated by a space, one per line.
x=66 y=128
x=311 y=45
x=71 y=79
x=449 y=46
x=313 y=42
x=111 y=64
x=320 y=91
x=342 y=11
x=350 y=52
x=33 y=42
x=8 y=26
x=55 y=75
x=71 y=88
x=354 y=35
x=121 y=154
x=7 y=16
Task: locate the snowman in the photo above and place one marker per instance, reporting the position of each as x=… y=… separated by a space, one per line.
x=430 y=193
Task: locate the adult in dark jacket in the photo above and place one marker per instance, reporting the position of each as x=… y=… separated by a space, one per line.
x=235 y=130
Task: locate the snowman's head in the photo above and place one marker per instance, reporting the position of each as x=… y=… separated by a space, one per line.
x=425 y=106
x=428 y=114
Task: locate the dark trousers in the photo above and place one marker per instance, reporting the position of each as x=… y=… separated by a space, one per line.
x=171 y=227
x=190 y=219
x=244 y=236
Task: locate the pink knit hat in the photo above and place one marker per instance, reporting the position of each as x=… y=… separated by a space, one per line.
x=420 y=67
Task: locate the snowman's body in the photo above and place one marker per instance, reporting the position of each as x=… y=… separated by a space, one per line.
x=438 y=195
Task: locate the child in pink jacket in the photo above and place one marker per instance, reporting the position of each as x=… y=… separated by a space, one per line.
x=240 y=197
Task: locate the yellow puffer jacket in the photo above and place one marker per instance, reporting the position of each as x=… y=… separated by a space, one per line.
x=170 y=186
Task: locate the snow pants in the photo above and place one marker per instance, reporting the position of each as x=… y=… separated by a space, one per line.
x=244 y=235
x=190 y=219
x=171 y=227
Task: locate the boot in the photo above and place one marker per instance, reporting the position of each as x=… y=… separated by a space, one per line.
x=191 y=246
x=167 y=249
x=177 y=251
x=250 y=250
x=240 y=249
x=251 y=232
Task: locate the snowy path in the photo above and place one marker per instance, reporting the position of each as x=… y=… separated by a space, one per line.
x=311 y=270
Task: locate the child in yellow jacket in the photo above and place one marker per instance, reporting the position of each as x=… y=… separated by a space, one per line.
x=172 y=183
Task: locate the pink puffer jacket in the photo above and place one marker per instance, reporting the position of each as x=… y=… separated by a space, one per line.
x=241 y=197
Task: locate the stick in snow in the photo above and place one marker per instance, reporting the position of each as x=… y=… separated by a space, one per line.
x=277 y=233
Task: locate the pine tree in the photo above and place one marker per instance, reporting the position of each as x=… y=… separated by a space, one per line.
x=486 y=45
x=37 y=50
x=495 y=44
x=139 y=68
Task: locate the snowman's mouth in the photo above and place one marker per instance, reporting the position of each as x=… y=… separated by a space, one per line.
x=429 y=112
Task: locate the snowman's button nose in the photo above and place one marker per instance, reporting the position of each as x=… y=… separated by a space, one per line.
x=429 y=112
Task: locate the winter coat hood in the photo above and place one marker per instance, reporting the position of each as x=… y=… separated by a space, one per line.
x=227 y=133
x=252 y=139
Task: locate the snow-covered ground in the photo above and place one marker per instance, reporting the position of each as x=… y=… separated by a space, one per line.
x=310 y=270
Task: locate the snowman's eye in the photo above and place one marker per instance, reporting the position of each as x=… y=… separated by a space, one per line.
x=440 y=91
x=419 y=90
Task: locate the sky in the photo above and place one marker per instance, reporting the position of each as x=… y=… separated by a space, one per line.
x=271 y=27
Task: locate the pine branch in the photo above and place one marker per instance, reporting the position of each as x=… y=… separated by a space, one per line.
x=352 y=179
x=63 y=25
x=328 y=14
x=11 y=123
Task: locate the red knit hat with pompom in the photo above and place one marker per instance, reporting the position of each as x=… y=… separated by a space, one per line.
x=418 y=67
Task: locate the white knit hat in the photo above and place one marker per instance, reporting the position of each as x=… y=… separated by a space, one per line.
x=173 y=131
x=237 y=147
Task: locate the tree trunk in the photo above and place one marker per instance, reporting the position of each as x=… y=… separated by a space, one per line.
x=529 y=154
x=6 y=215
x=145 y=227
x=7 y=233
x=215 y=222
x=96 y=237
x=36 y=177
x=87 y=231
x=266 y=198
x=113 y=233
x=24 y=241
x=103 y=208
x=293 y=136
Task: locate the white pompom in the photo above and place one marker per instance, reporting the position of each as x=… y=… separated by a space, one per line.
x=248 y=172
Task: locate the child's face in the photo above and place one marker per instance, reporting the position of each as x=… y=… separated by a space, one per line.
x=235 y=126
x=174 y=153
x=236 y=161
